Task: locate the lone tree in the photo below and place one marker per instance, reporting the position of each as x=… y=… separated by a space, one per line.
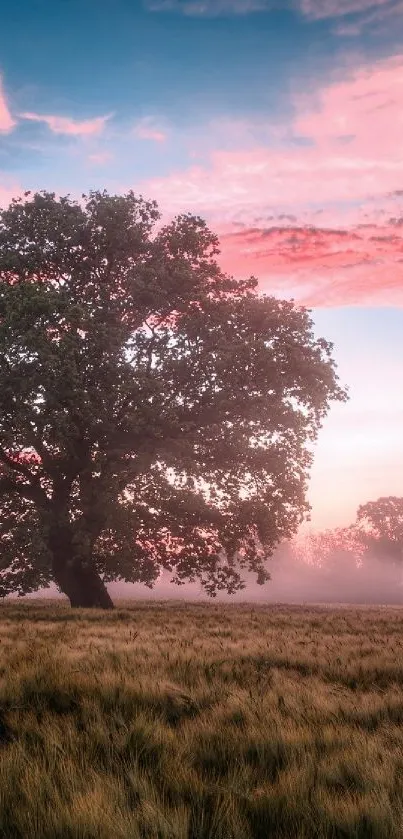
x=154 y=412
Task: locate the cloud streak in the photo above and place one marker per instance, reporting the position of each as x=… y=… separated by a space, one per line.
x=68 y=126
x=209 y=8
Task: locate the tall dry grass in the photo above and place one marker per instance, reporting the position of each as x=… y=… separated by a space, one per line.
x=175 y=721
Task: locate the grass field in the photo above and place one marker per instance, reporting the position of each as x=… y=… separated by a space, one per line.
x=175 y=721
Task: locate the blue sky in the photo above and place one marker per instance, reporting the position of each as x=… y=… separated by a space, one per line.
x=281 y=123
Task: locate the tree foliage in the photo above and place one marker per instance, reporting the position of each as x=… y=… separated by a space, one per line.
x=382 y=524
x=376 y=536
x=154 y=412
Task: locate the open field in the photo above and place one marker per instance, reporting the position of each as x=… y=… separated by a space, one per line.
x=175 y=721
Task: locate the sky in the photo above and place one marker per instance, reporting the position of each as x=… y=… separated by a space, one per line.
x=281 y=123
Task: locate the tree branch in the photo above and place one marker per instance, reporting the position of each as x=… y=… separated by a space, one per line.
x=28 y=491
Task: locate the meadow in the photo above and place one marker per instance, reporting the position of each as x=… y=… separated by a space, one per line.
x=200 y=721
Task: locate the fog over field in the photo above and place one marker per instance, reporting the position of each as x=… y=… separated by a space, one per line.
x=340 y=579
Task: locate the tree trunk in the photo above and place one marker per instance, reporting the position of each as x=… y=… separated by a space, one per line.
x=76 y=575
x=81 y=583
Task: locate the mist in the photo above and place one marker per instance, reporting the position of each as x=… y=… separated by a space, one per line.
x=339 y=578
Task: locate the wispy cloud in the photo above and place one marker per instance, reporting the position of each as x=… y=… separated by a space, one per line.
x=7 y=122
x=146 y=129
x=66 y=125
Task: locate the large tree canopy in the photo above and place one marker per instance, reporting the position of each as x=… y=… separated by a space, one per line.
x=154 y=412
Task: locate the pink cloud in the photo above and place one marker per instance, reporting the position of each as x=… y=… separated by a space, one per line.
x=66 y=125
x=321 y=266
x=355 y=150
x=248 y=180
x=366 y=110
x=7 y=122
x=146 y=130
x=352 y=153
